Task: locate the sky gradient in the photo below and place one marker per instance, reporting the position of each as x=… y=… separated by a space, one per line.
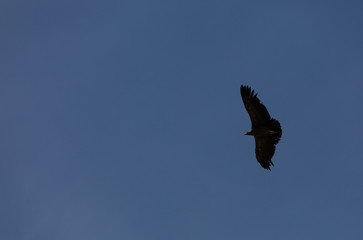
x=123 y=120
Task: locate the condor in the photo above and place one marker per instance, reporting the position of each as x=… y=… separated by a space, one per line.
x=266 y=130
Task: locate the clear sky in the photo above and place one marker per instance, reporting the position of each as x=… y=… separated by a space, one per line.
x=123 y=120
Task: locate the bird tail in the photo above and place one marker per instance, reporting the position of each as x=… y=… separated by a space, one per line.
x=277 y=129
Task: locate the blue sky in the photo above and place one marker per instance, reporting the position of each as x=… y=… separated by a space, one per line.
x=123 y=119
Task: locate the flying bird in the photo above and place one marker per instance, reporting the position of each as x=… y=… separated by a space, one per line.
x=266 y=130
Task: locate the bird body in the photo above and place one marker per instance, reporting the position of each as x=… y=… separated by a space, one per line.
x=266 y=130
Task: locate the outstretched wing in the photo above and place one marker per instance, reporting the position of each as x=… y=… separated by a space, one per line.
x=265 y=149
x=257 y=111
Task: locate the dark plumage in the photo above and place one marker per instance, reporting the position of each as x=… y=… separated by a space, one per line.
x=266 y=130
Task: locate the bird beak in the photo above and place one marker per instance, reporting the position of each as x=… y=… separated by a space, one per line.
x=248 y=132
